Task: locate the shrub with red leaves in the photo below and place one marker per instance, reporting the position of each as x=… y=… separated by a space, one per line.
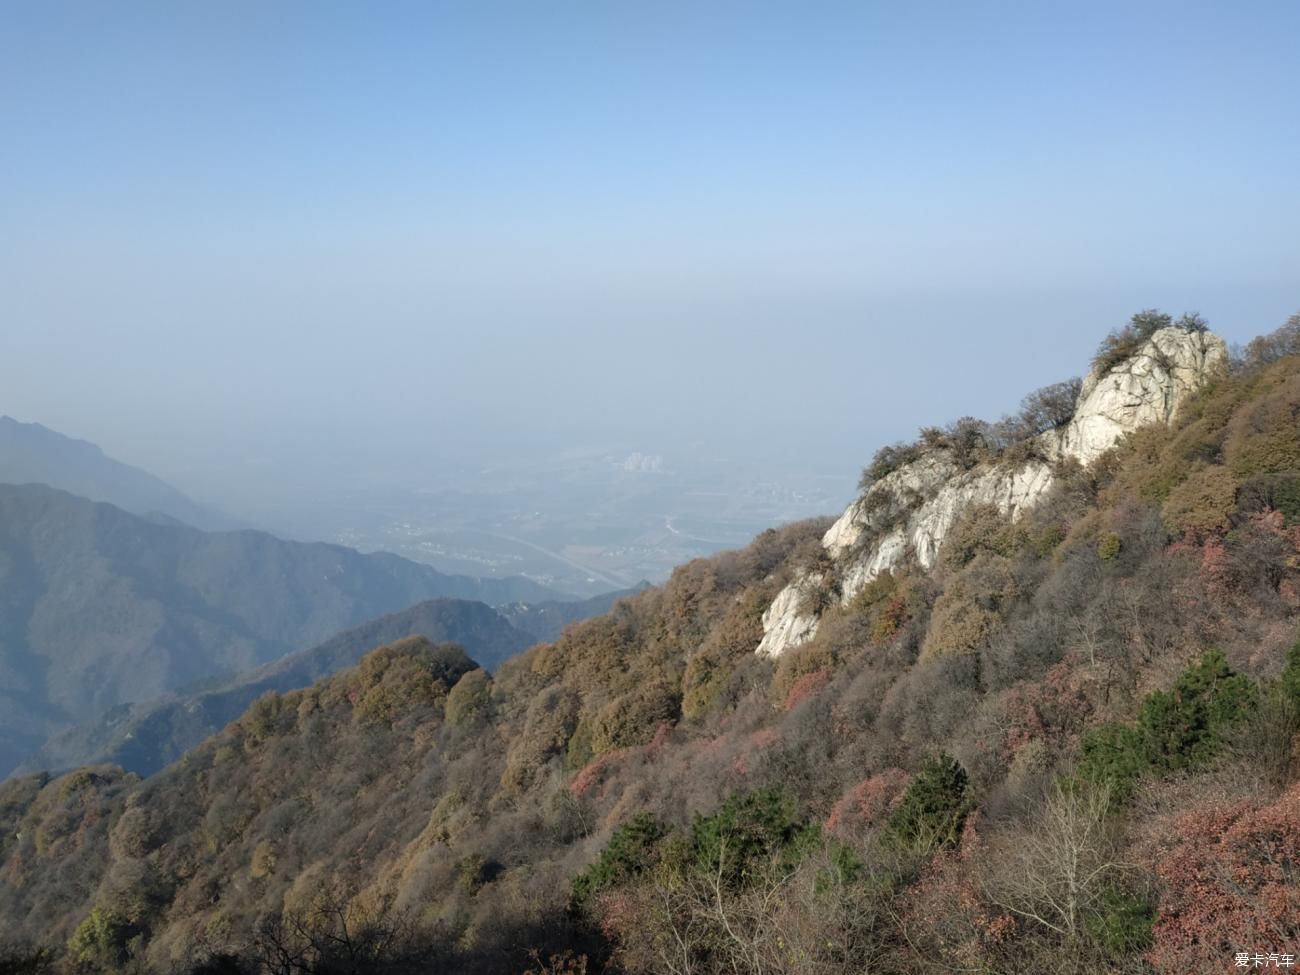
x=1232 y=884
x=868 y=803
x=805 y=687
x=593 y=773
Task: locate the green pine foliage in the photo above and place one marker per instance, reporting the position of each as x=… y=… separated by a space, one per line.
x=1113 y=753
x=1183 y=727
x=1290 y=679
x=632 y=850
x=1178 y=729
x=746 y=830
x=1123 y=922
x=935 y=806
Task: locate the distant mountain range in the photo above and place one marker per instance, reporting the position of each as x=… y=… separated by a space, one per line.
x=143 y=738
x=34 y=454
x=100 y=607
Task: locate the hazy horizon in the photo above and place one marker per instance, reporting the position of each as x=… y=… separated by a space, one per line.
x=270 y=253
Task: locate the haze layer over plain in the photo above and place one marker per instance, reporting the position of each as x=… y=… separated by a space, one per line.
x=278 y=253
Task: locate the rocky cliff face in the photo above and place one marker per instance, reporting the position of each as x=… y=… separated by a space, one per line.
x=911 y=510
x=1147 y=387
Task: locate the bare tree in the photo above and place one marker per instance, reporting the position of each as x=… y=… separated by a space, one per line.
x=1050 y=407
x=827 y=916
x=1056 y=873
x=836 y=920
x=336 y=934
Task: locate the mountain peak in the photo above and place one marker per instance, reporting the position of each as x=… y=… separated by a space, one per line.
x=1147 y=386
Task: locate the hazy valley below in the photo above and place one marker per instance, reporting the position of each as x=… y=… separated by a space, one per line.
x=582 y=522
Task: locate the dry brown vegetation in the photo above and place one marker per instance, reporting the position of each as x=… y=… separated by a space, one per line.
x=1021 y=761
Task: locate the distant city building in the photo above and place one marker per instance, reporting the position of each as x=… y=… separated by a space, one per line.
x=644 y=463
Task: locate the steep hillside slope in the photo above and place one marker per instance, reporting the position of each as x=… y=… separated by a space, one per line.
x=371 y=769
x=99 y=607
x=33 y=454
x=1064 y=743
x=144 y=737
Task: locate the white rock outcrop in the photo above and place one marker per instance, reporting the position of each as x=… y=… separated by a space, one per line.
x=923 y=500
x=784 y=624
x=1147 y=387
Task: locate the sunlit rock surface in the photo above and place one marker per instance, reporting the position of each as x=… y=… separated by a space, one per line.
x=928 y=495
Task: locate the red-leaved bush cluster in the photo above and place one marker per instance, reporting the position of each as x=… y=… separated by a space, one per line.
x=868 y=803
x=1231 y=876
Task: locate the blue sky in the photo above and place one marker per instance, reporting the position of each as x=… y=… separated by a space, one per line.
x=793 y=230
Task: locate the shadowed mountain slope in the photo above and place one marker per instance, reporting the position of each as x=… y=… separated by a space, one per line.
x=33 y=454
x=144 y=737
x=99 y=607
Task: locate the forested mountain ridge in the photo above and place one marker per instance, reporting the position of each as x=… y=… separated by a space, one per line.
x=144 y=737
x=99 y=607
x=33 y=454
x=1064 y=743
